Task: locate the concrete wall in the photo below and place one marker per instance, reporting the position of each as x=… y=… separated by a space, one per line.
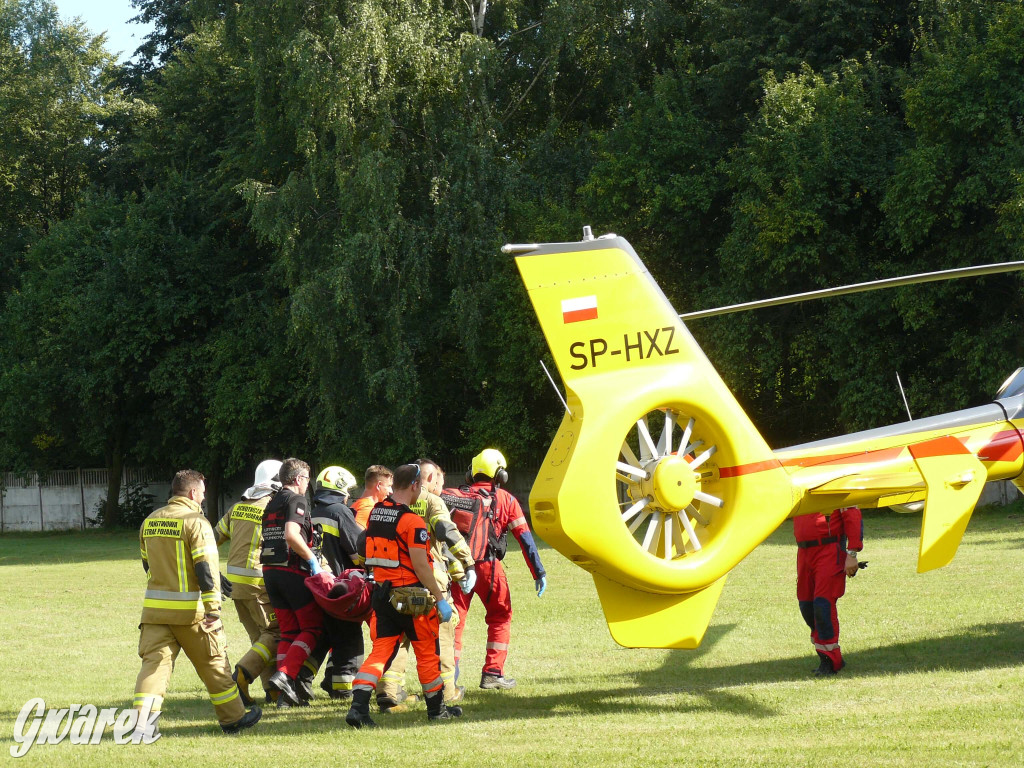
x=1000 y=493
x=63 y=500
x=37 y=508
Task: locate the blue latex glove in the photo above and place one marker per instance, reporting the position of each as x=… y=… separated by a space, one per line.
x=314 y=566
x=444 y=610
x=540 y=585
x=467 y=582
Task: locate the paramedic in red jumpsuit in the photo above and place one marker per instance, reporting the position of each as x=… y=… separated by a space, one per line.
x=488 y=471
x=827 y=547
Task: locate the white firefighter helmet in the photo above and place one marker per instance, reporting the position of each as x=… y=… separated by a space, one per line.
x=266 y=480
x=267 y=472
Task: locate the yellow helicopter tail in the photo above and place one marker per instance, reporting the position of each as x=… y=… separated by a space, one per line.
x=657 y=482
x=954 y=478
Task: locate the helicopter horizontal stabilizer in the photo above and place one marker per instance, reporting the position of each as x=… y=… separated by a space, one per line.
x=646 y=620
x=954 y=478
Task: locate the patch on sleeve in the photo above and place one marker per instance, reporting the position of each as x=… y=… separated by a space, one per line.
x=422 y=536
x=300 y=510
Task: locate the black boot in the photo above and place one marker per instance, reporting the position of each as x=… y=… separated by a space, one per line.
x=438 y=710
x=279 y=681
x=304 y=689
x=328 y=684
x=823 y=663
x=359 y=713
x=827 y=669
x=491 y=681
x=248 y=720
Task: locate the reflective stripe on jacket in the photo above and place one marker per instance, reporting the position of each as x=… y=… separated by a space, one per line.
x=173 y=539
x=243 y=525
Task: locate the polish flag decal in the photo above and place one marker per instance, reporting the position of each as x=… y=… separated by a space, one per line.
x=583 y=308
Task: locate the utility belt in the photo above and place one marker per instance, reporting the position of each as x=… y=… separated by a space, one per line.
x=817 y=542
x=411 y=601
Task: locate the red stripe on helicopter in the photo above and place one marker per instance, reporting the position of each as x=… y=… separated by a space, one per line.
x=1002 y=446
x=860 y=457
x=1007 y=445
x=749 y=469
x=940 y=446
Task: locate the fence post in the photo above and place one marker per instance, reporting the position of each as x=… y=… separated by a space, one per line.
x=3 y=493
x=39 y=485
x=81 y=491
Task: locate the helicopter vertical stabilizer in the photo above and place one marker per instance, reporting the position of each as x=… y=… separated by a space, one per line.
x=639 y=619
x=954 y=479
x=657 y=482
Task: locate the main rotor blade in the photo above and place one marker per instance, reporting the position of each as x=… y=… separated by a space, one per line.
x=873 y=285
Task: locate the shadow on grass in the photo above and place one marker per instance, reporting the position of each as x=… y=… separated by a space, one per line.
x=678 y=685
x=981 y=647
x=721 y=688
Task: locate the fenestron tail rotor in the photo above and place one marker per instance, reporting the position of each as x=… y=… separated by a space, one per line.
x=660 y=483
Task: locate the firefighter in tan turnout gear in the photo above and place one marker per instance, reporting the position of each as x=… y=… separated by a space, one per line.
x=243 y=525
x=181 y=610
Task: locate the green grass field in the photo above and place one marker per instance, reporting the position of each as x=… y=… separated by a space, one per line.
x=934 y=677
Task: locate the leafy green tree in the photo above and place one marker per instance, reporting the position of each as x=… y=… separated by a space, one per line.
x=955 y=199
x=53 y=101
x=173 y=21
x=658 y=179
x=807 y=181
x=753 y=165
x=193 y=143
x=292 y=243
x=64 y=389
x=387 y=224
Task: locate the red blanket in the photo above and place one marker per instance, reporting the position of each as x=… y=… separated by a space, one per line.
x=345 y=597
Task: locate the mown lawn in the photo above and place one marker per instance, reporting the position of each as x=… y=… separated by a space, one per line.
x=934 y=677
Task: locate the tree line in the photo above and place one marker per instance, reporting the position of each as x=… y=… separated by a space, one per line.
x=275 y=230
